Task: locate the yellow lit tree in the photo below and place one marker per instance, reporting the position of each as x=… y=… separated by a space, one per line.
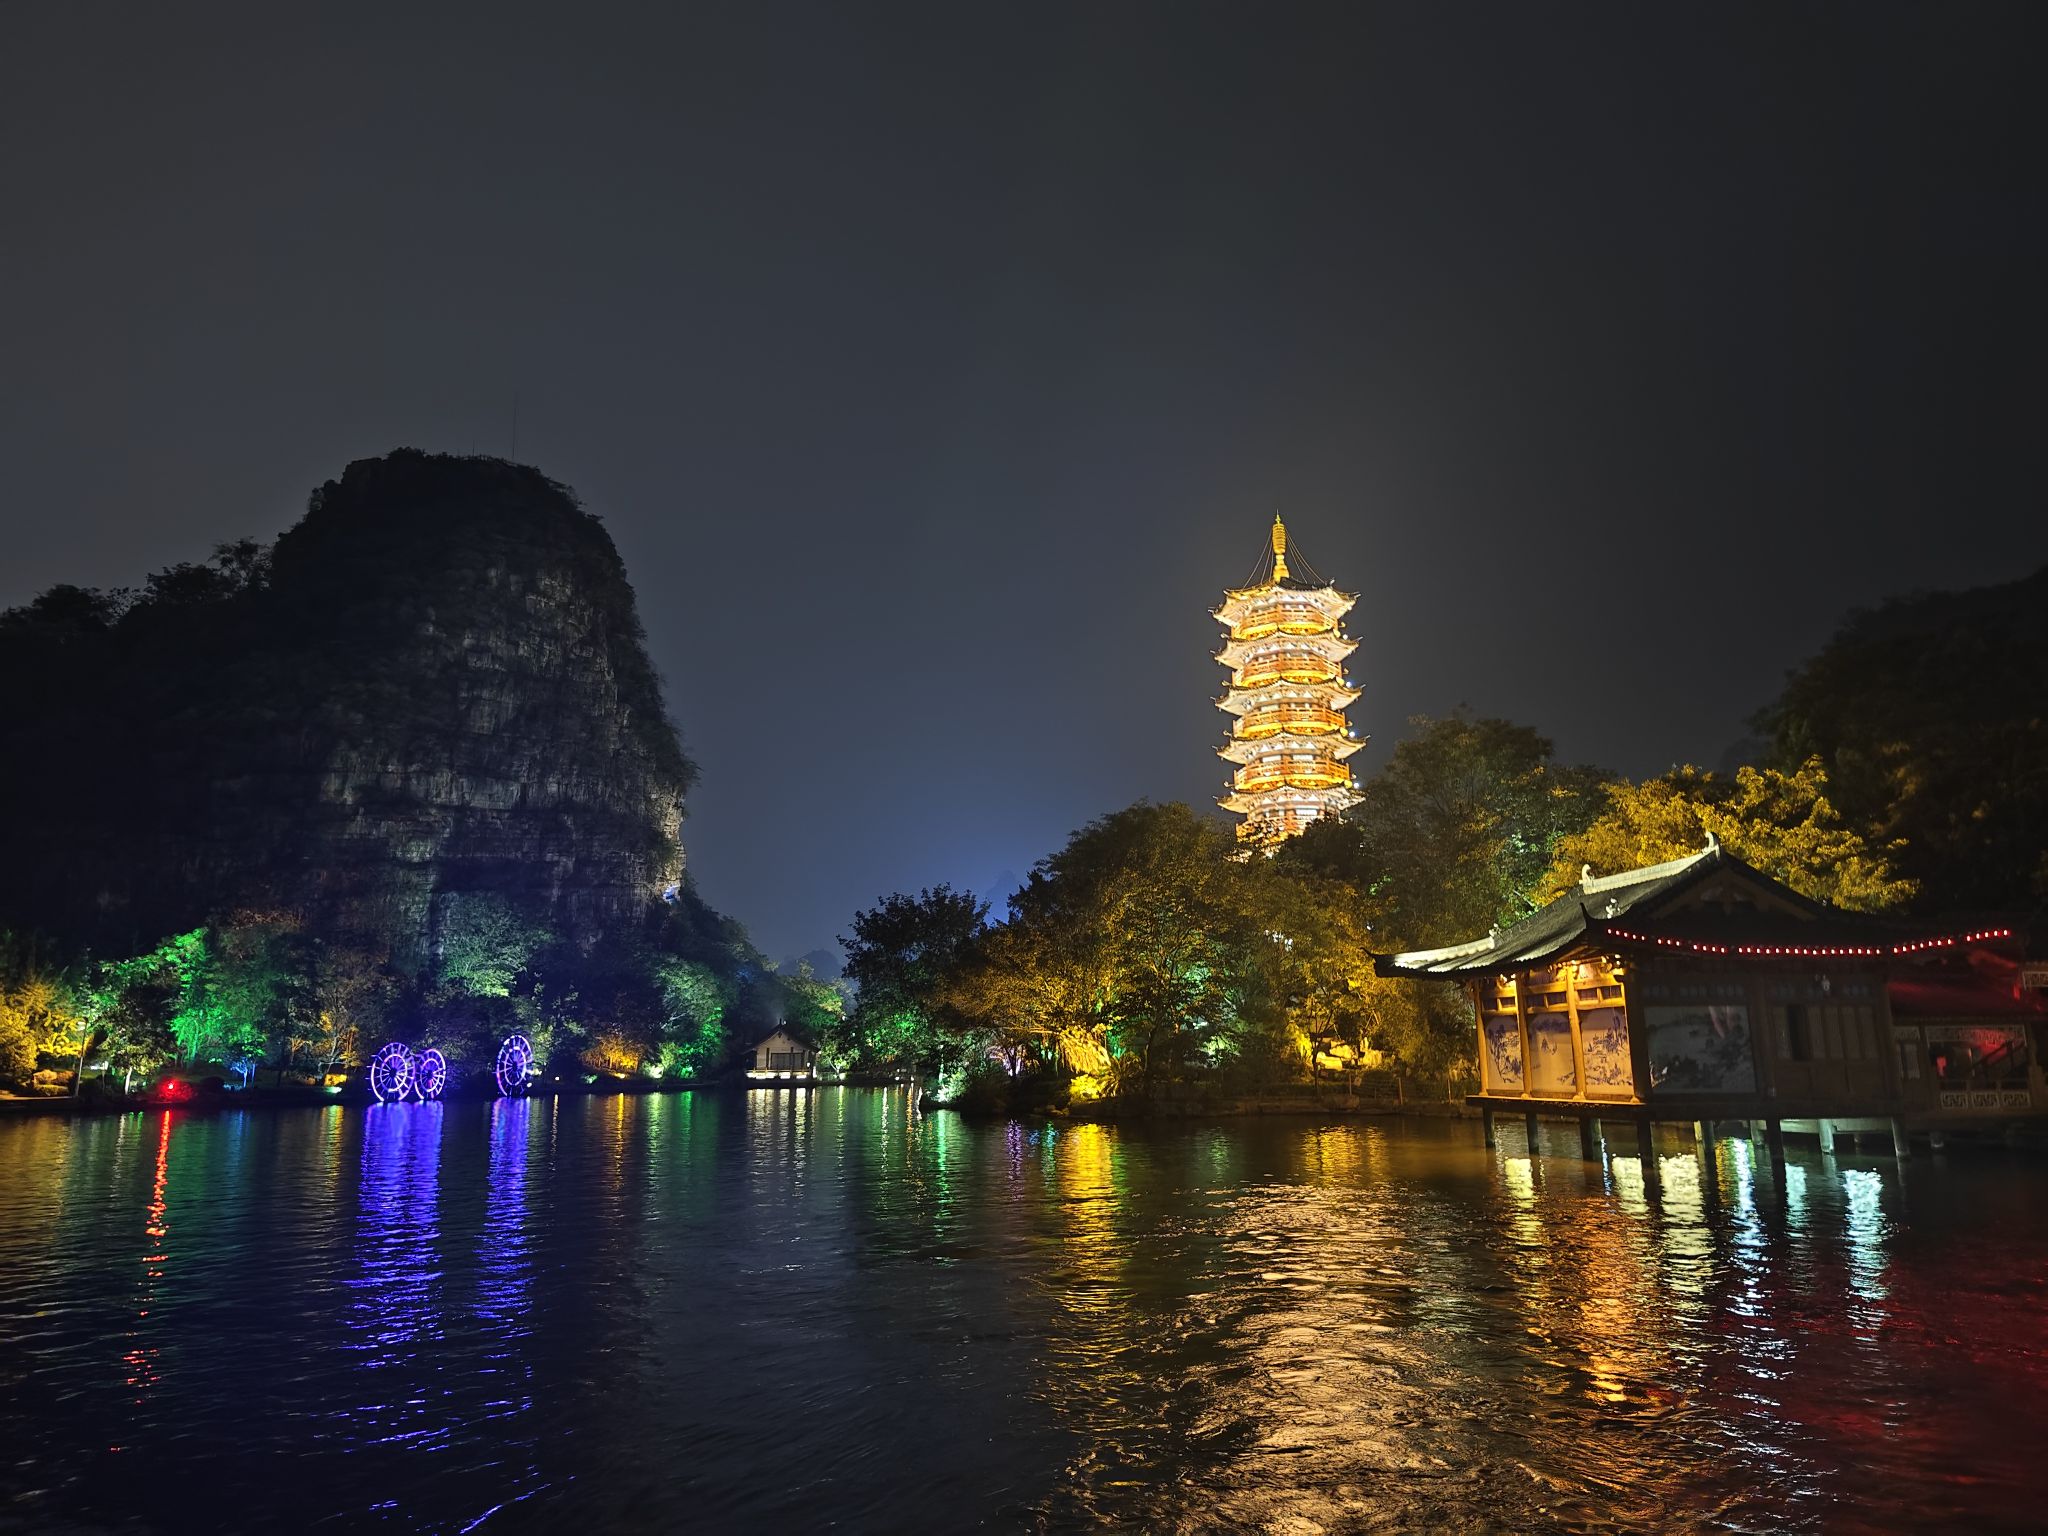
x=1783 y=823
x=38 y=1012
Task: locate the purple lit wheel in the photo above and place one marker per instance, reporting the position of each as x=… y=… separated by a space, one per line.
x=515 y=1061
x=391 y=1071
x=429 y=1074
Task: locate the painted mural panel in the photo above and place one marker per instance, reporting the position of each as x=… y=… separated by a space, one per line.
x=1551 y=1068
x=1700 y=1048
x=1603 y=1035
x=1503 y=1053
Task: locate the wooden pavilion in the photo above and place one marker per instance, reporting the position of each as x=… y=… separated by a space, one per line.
x=1702 y=990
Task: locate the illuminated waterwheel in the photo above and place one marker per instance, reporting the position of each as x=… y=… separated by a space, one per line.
x=515 y=1061
x=391 y=1072
x=429 y=1074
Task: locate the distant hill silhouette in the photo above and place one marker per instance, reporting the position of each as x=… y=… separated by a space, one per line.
x=435 y=683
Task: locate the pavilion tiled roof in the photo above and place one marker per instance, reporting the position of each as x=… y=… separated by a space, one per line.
x=1589 y=910
x=1633 y=909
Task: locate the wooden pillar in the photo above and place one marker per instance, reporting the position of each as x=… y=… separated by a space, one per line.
x=1529 y=1123
x=1826 y=1128
x=1646 y=1142
x=1486 y=1123
x=1902 y=1144
x=1710 y=1166
x=1569 y=975
x=1589 y=1138
x=1522 y=1033
x=1774 y=1139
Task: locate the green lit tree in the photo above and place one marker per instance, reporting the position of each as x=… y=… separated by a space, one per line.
x=899 y=958
x=484 y=944
x=695 y=1039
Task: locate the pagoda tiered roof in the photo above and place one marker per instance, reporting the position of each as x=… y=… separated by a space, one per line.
x=1239 y=699
x=1242 y=749
x=1238 y=601
x=1332 y=643
x=1276 y=802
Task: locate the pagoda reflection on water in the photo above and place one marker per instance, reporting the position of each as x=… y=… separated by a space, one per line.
x=1288 y=694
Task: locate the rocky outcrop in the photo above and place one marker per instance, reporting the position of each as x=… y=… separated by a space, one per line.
x=434 y=685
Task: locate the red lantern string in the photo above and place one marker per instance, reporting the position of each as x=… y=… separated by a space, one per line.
x=1815 y=951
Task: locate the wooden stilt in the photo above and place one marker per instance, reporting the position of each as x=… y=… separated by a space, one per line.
x=1589 y=1138
x=1902 y=1144
x=1486 y=1123
x=1529 y=1123
x=1646 y=1142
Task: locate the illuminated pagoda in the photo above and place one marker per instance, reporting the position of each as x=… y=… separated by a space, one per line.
x=1288 y=694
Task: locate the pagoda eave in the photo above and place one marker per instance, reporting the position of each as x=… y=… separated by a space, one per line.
x=1238 y=599
x=1330 y=745
x=1274 y=802
x=1328 y=695
x=1331 y=646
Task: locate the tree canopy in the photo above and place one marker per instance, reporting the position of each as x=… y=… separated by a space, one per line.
x=1930 y=717
x=1457 y=830
x=1783 y=823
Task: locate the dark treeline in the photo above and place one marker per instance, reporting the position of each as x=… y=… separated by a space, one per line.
x=1904 y=768
x=267 y=999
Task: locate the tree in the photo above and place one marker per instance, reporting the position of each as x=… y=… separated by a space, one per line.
x=1930 y=718
x=1134 y=950
x=39 y=1011
x=262 y=987
x=483 y=944
x=1783 y=823
x=696 y=998
x=1345 y=914
x=1458 y=829
x=132 y=1002
x=354 y=992
x=899 y=958
x=815 y=1009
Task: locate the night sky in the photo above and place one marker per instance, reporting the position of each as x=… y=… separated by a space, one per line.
x=935 y=367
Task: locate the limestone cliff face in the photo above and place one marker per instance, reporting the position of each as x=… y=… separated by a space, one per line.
x=435 y=685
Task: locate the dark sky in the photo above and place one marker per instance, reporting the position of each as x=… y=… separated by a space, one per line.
x=935 y=367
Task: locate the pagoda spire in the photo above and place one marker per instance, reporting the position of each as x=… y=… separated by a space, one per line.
x=1279 y=549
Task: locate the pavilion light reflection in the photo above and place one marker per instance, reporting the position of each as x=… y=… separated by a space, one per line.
x=1795 y=1195
x=1864 y=1226
x=1743 y=1161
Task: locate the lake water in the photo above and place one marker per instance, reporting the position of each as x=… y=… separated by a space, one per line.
x=788 y=1310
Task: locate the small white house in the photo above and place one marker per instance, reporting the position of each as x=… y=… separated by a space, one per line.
x=782 y=1055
